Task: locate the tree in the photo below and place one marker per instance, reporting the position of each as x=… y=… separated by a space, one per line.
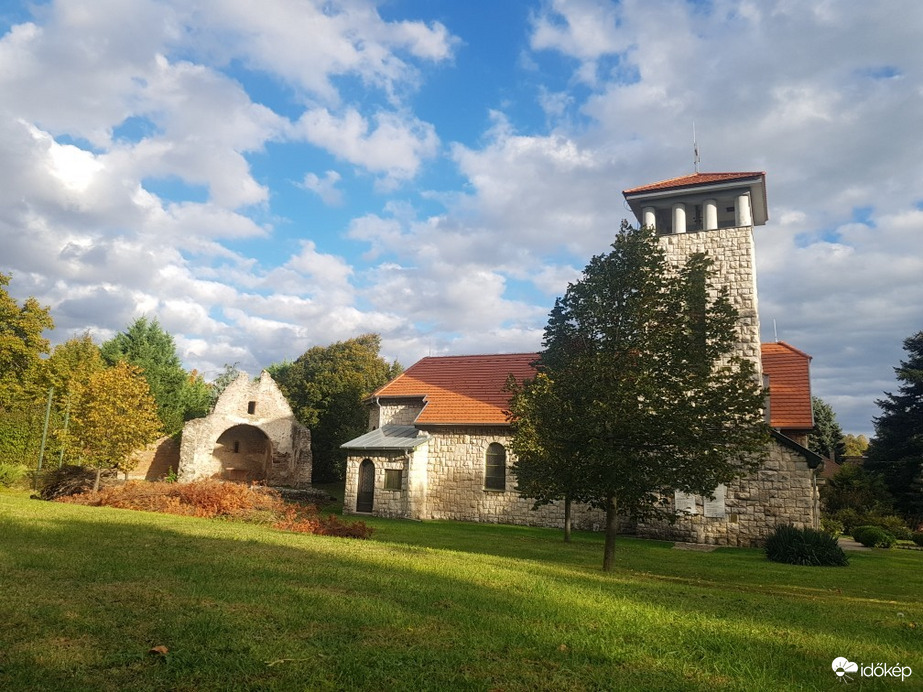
x=856 y=488
x=896 y=451
x=226 y=377
x=827 y=437
x=115 y=416
x=547 y=465
x=855 y=445
x=326 y=387
x=68 y=370
x=21 y=342
x=642 y=355
x=146 y=345
x=22 y=396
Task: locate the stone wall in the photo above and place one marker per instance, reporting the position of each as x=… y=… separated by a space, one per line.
x=444 y=479
x=732 y=251
x=252 y=435
x=782 y=491
x=156 y=461
x=394 y=504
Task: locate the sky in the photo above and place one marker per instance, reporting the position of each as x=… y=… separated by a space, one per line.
x=266 y=177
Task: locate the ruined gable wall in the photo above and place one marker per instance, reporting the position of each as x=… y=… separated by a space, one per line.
x=261 y=406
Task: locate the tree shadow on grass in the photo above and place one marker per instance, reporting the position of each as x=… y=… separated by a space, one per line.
x=241 y=607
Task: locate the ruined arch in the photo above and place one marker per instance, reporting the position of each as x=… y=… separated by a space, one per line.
x=254 y=416
x=245 y=453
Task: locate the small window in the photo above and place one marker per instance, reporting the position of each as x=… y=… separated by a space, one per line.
x=394 y=479
x=495 y=467
x=251 y=407
x=236 y=446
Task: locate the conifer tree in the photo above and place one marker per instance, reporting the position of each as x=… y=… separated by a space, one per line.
x=896 y=451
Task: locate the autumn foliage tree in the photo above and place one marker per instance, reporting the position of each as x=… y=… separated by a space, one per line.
x=639 y=390
x=115 y=416
x=22 y=396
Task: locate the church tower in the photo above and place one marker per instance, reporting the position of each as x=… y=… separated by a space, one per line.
x=714 y=213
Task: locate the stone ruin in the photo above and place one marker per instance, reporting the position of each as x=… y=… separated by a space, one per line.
x=251 y=436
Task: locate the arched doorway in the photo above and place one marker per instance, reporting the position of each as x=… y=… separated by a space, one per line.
x=365 y=493
x=244 y=452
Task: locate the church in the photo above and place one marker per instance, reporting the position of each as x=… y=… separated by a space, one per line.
x=438 y=440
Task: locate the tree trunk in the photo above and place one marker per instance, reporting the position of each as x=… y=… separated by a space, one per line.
x=567 y=519
x=612 y=528
x=99 y=472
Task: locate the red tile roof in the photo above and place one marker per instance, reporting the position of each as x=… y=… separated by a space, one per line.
x=789 y=386
x=464 y=390
x=693 y=180
x=469 y=390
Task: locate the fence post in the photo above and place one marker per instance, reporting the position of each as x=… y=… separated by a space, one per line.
x=41 y=454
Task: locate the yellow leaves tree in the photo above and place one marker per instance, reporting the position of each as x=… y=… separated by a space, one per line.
x=115 y=416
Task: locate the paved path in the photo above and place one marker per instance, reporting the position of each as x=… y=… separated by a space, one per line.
x=846 y=543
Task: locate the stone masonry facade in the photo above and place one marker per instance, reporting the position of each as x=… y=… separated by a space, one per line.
x=252 y=435
x=732 y=251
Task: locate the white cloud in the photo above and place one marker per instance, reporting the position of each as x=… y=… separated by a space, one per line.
x=394 y=146
x=325 y=188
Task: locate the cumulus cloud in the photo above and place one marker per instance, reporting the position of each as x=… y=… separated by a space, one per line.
x=391 y=145
x=153 y=186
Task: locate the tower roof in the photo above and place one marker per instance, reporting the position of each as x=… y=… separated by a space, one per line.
x=697 y=187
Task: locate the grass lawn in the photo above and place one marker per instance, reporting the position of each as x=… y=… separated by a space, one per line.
x=86 y=592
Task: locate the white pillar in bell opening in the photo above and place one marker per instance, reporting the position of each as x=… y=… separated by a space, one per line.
x=650 y=217
x=711 y=214
x=742 y=209
x=679 y=218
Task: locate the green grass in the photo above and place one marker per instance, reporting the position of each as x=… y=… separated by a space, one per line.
x=86 y=592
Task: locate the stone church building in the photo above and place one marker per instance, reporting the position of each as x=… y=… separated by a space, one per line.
x=437 y=446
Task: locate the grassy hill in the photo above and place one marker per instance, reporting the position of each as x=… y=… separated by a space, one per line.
x=86 y=592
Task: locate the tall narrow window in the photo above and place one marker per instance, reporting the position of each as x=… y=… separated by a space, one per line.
x=251 y=407
x=495 y=467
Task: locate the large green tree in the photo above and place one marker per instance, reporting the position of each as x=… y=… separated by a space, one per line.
x=827 y=437
x=896 y=451
x=643 y=354
x=114 y=416
x=148 y=346
x=326 y=387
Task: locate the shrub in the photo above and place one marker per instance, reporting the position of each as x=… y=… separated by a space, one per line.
x=873 y=537
x=212 y=499
x=832 y=526
x=11 y=474
x=804 y=547
x=850 y=519
x=917 y=537
x=309 y=521
x=893 y=524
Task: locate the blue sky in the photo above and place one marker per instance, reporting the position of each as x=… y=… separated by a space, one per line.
x=265 y=177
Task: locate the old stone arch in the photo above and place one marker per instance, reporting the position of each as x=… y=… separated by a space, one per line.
x=251 y=435
x=245 y=453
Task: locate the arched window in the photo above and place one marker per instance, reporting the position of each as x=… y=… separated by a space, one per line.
x=495 y=467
